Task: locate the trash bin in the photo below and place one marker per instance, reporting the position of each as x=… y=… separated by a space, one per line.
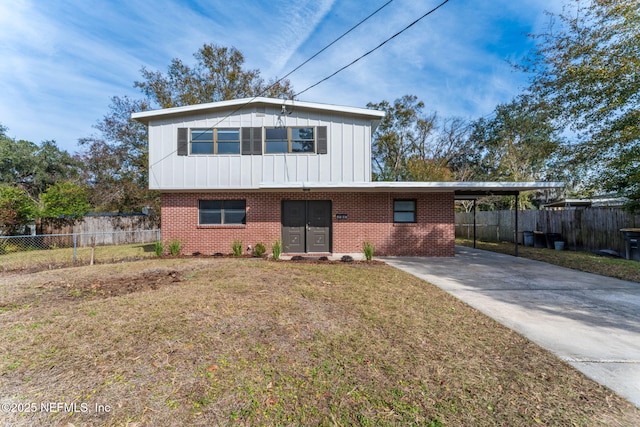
x=539 y=240
x=528 y=238
x=551 y=239
x=631 y=246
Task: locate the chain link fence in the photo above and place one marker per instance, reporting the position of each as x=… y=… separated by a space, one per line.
x=70 y=246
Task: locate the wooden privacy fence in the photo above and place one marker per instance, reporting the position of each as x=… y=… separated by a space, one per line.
x=588 y=229
x=98 y=224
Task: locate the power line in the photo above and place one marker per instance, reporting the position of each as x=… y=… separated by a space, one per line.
x=287 y=75
x=375 y=48
x=330 y=44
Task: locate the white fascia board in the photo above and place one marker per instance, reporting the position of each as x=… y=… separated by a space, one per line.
x=387 y=186
x=146 y=116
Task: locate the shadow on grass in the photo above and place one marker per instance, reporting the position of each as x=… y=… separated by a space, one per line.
x=149 y=247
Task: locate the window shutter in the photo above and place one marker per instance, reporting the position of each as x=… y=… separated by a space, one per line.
x=246 y=141
x=183 y=141
x=251 y=141
x=321 y=139
x=256 y=139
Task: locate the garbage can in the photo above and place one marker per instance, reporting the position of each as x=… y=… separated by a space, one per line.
x=528 y=238
x=631 y=246
x=551 y=239
x=539 y=240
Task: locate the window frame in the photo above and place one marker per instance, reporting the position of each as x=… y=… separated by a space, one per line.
x=222 y=213
x=290 y=140
x=404 y=211
x=215 y=141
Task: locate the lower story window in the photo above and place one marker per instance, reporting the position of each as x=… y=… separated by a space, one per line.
x=218 y=212
x=404 y=211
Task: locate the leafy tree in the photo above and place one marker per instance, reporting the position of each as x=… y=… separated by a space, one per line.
x=117 y=159
x=411 y=146
x=17 y=210
x=218 y=75
x=65 y=199
x=116 y=162
x=395 y=138
x=517 y=144
x=585 y=70
x=32 y=167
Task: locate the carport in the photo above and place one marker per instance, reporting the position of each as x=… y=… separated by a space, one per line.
x=475 y=190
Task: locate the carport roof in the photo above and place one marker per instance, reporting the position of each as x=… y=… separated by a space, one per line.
x=462 y=190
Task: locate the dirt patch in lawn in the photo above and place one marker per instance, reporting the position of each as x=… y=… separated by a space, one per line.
x=207 y=342
x=51 y=291
x=105 y=288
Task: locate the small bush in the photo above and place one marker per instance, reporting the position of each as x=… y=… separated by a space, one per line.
x=260 y=249
x=346 y=258
x=174 y=247
x=236 y=247
x=367 y=248
x=158 y=248
x=276 y=249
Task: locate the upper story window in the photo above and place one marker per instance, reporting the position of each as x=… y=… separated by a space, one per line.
x=252 y=140
x=215 y=141
x=290 y=140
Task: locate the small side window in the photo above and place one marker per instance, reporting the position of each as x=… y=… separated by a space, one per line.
x=404 y=211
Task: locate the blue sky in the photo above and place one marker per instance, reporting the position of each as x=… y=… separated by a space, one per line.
x=62 y=60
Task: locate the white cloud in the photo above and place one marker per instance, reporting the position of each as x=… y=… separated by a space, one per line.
x=63 y=61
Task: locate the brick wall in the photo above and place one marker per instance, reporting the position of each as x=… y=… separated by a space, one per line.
x=369 y=218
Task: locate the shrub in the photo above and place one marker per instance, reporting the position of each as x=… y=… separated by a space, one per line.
x=276 y=249
x=158 y=248
x=367 y=248
x=346 y=258
x=236 y=247
x=174 y=247
x=260 y=249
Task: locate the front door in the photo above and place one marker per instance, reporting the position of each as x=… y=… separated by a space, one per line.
x=306 y=226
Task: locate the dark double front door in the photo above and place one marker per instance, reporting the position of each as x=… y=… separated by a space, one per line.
x=306 y=226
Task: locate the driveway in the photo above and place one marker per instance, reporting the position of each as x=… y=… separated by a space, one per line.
x=590 y=321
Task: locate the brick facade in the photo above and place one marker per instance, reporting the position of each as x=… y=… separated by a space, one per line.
x=369 y=218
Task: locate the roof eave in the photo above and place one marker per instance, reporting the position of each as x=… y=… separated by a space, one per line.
x=147 y=116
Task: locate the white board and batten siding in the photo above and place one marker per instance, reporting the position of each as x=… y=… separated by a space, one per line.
x=348 y=157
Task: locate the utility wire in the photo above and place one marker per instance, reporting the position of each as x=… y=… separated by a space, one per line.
x=287 y=75
x=329 y=45
x=375 y=48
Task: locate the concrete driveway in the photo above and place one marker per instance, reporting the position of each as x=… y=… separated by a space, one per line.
x=590 y=321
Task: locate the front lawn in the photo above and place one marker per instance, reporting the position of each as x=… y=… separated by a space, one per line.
x=46 y=259
x=164 y=342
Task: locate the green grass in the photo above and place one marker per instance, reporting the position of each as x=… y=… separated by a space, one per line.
x=246 y=342
x=583 y=261
x=55 y=258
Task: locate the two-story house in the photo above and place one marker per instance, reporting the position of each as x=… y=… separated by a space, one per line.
x=260 y=169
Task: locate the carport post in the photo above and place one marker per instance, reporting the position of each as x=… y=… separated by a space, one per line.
x=474 y=223
x=516 y=236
